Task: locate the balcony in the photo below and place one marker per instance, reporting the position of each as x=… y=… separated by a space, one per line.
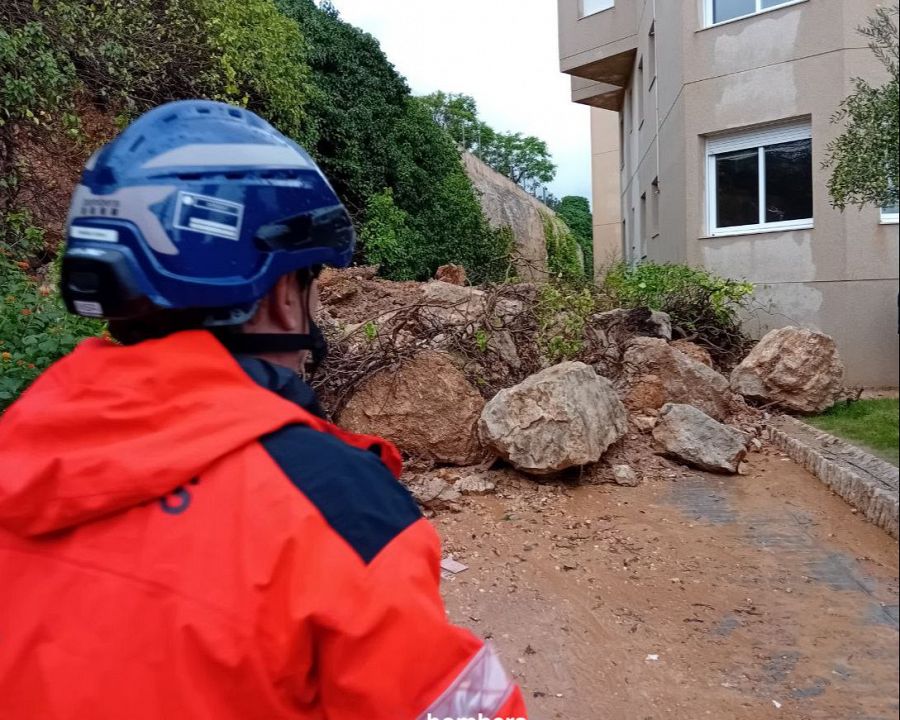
x=598 y=50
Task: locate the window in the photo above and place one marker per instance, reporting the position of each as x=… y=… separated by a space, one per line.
x=890 y=213
x=590 y=7
x=719 y=11
x=760 y=181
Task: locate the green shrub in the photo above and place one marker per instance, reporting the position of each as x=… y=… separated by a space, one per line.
x=260 y=62
x=704 y=308
x=562 y=312
x=35 y=330
x=564 y=258
x=35 y=78
x=388 y=240
x=575 y=212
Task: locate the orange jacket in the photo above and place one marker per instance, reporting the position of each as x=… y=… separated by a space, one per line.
x=178 y=539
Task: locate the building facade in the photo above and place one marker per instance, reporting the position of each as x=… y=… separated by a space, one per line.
x=709 y=125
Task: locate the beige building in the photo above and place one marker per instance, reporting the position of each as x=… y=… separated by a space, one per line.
x=710 y=123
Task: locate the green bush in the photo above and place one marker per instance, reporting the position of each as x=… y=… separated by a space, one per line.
x=389 y=241
x=575 y=212
x=562 y=312
x=564 y=258
x=35 y=77
x=260 y=62
x=704 y=308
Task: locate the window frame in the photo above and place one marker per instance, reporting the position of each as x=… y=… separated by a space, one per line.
x=582 y=13
x=745 y=140
x=709 y=12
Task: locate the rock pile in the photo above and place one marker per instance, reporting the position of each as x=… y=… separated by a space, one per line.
x=458 y=376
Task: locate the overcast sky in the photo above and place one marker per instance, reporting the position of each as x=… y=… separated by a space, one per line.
x=501 y=52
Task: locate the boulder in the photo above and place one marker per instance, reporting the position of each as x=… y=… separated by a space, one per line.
x=642 y=322
x=794 y=368
x=692 y=350
x=693 y=437
x=426 y=407
x=562 y=417
x=450 y=273
x=656 y=374
x=451 y=304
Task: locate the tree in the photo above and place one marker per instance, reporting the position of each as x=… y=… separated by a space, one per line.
x=524 y=160
x=864 y=156
x=575 y=211
x=458 y=115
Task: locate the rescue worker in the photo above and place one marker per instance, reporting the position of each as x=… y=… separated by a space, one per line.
x=182 y=534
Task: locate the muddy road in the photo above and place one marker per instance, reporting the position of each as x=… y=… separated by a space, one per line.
x=753 y=597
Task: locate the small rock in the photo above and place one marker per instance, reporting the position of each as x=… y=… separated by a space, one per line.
x=644 y=423
x=626 y=476
x=474 y=485
x=450 y=273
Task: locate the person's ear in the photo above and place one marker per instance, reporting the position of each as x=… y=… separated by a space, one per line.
x=284 y=305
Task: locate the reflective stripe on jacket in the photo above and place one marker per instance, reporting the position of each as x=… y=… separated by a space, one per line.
x=179 y=539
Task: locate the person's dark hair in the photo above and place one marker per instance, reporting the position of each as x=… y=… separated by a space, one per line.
x=162 y=324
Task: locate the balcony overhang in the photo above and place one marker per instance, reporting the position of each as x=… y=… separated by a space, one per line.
x=601 y=82
x=597 y=94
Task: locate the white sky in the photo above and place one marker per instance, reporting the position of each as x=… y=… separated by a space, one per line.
x=501 y=52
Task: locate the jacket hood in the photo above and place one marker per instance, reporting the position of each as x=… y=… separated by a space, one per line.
x=111 y=427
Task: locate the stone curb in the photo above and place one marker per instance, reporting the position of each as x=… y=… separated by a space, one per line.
x=873 y=491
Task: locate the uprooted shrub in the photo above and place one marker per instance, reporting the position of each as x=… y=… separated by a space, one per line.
x=704 y=307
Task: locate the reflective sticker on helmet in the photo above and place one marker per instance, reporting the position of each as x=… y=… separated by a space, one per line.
x=80 y=232
x=208 y=215
x=90 y=309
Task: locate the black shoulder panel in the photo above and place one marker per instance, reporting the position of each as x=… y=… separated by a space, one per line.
x=354 y=491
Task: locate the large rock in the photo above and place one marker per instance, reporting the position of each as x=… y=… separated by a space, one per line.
x=656 y=374
x=636 y=321
x=506 y=205
x=455 y=305
x=794 y=368
x=693 y=437
x=562 y=417
x=427 y=408
x=692 y=350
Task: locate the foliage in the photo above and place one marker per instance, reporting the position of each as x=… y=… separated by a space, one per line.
x=871 y=423
x=457 y=114
x=35 y=329
x=704 y=308
x=34 y=77
x=525 y=160
x=864 y=157
x=575 y=211
x=564 y=259
x=389 y=240
x=261 y=61
x=562 y=312
x=373 y=137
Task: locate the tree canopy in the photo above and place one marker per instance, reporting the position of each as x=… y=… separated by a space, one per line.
x=864 y=157
x=525 y=160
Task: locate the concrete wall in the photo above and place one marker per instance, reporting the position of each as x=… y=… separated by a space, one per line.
x=607 y=206
x=794 y=62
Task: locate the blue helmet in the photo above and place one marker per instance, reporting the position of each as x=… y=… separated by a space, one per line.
x=197 y=204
